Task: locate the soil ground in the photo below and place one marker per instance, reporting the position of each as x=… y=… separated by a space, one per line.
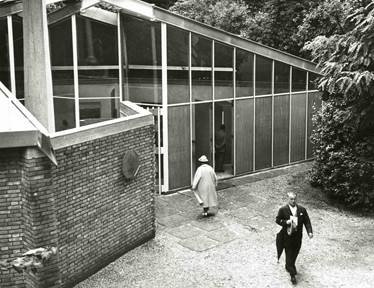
x=236 y=247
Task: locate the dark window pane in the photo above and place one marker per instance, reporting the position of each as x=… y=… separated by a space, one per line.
x=313 y=79
x=298 y=80
x=18 y=55
x=201 y=85
x=178 y=87
x=98 y=83
x=64 y=113
x=141 y=41
x=97 y=42
x=143 y=86
x=244 y=73
x=281 y=77
x=63 y=83
x=177 y=45
x=223 y=55
x=201 y=51
x=263 y=75
x=98 y=110
x=61 y=43
x=4 y=55
x=223 y=85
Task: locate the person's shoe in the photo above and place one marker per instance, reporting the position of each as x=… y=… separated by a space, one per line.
x=293 y=280
x=204 y=214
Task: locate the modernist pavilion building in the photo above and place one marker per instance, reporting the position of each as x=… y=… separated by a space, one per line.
x=191 y=76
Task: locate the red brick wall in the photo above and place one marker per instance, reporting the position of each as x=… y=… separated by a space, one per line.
x=84 y=206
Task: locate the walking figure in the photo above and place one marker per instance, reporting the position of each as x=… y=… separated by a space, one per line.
x=292 y=217
x=204 y=185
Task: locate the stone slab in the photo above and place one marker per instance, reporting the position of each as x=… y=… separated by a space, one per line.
x=172 y=221
x=207 y=224
x=222 y=235
x=199 y=243
x=185 y=231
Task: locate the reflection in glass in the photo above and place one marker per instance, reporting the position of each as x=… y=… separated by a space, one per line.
x=144 y=86
x=4 y=55
x=313 y=81
x=223 y=55
x=281 y=77
x=61 y=46
x=178 y=87
x=202 y=133
x=177 y=46
x=244 y=73
x=201 y=51
x=18 y=55
x=93 y=42
x=64 y=113
x=223 y=85
x=202 y=85
x=97 y=110
x=63 y=83
x=298 y=80
x=263 y=75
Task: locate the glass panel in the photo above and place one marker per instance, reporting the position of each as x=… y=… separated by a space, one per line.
x=143 y=86
x=61 y=46
x=244 y=73
x=223 y=85
x=202 y=85
x=281 y=129
x=263 y=75
x=98 y=83
x=63 y=83
x=281 y=77
x=244 y=135
x=142 y=41
x=64 y=113
x=201 y=51
x=18 y=55
x=263 y=132
x=298 y=102
x=97 y=42
x=298 y=80
x=202 y=133
x=313 y=79
x=97 y=110
x=223 y=137
x=314 y=104
x=179 y=146
x=178 y=87
x=177 y=45
x=4 y=55
x=223 y=55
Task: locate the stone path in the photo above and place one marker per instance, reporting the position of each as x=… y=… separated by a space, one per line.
x=235 y=248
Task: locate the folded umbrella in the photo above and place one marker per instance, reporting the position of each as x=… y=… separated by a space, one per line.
x=279 y=242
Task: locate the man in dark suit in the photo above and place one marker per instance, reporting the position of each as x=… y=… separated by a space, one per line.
x=292 y=217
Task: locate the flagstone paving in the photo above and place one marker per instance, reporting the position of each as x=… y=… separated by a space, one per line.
x=235 y=248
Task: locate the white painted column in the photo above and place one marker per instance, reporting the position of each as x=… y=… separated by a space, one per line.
x=38 y=76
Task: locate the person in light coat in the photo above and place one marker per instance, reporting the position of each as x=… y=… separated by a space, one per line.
x=204 y=185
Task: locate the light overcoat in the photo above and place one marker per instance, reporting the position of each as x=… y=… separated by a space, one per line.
x=204 y=183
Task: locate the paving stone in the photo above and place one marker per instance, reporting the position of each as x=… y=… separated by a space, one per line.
x=172 y=221
x=207 y=224
x=222 y=235
x=185 y=231
x=199 y=243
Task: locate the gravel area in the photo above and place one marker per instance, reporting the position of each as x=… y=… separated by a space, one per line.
x=236 y=247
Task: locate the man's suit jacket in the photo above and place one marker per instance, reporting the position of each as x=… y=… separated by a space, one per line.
x=285 y=213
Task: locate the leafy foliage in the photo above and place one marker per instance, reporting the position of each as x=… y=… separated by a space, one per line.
x=344 y=132
x=30 y=261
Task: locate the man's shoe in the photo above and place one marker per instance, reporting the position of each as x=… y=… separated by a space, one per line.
x=293 y=280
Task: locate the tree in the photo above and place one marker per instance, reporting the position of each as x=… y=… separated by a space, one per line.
x=224 y=14
x=343 y=138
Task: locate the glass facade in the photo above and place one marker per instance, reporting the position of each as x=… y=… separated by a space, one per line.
x=244 y=111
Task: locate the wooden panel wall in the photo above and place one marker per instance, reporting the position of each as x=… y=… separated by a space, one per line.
x=244 y=136
x=263 y=133
x=314 y=102
x=281 y=129
x=298 y=102
x=179 y=146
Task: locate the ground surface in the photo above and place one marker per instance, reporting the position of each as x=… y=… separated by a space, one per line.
x=236 y=248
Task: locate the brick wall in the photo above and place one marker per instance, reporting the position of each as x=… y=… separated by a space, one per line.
x=84 y=206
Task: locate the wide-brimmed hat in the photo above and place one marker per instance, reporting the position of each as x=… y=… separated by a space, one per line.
x=203 y=159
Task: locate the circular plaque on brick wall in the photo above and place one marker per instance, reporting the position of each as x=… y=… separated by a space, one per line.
x=130 y=165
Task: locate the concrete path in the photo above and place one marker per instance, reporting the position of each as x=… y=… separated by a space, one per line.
x=236 y=248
